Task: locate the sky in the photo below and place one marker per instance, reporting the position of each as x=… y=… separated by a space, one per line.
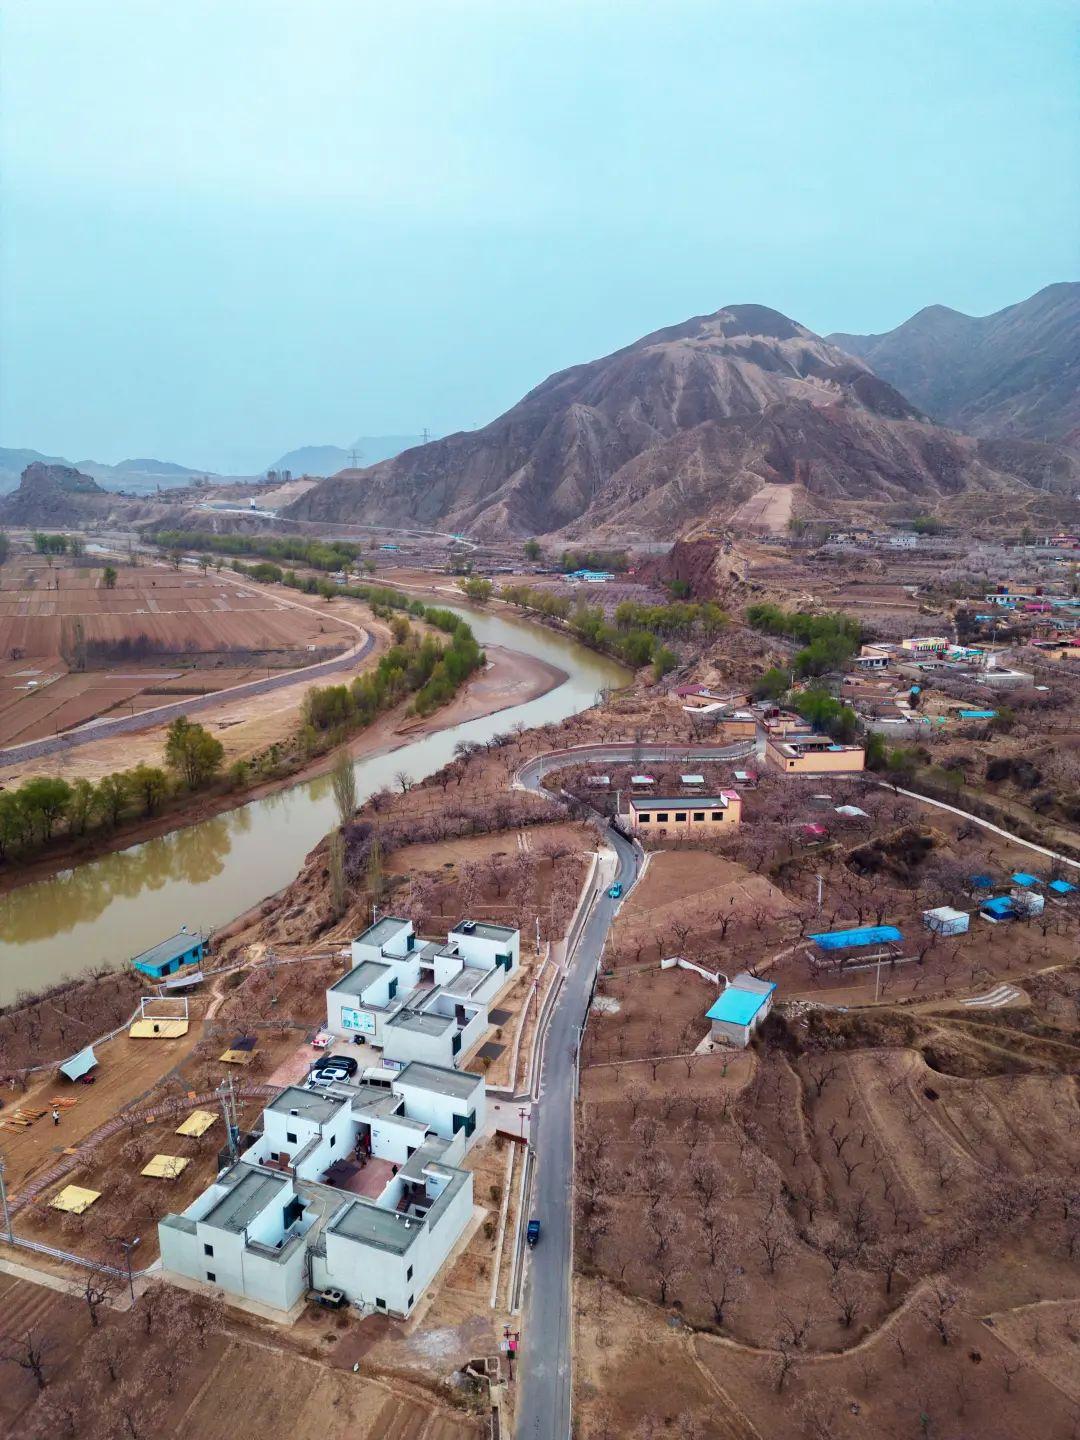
x=233 y=227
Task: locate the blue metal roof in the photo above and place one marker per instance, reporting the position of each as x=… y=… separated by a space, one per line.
x=863 y=935
x=737 y=1007
x=1021 y=877
x=169 y=950
x=1061 y=887
x=1001 y=906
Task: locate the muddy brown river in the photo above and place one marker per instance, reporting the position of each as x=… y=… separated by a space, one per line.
x=202 y=876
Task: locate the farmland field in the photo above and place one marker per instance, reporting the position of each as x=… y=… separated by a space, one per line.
x=72 y=650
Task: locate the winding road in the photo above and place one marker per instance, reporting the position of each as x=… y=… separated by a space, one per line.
x=545 y=1395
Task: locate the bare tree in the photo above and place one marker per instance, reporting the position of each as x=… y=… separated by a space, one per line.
x=98 y=1290
x=30 y=1350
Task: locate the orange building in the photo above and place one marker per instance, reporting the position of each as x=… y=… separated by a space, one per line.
x=813 y=755
x=681 y=814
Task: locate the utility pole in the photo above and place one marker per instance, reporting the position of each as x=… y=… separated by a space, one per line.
x=127 y=1246
x=4 y=1204
x=820 y=890
x=228 y=1110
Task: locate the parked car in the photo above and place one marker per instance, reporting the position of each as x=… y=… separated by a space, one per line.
x=331 y=1299
x=615 y=891
x=333 y=1070
x=322 y=1039
x=532 y=1233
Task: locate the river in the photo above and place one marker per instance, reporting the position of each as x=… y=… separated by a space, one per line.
x=202 y=876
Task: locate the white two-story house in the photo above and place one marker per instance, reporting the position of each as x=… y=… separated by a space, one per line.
x=358 y=1187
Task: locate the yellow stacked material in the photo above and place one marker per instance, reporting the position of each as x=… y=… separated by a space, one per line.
x=238 y=1057
x=197 y=1123
x=74 y=1199
x=158 y=1029
x=165 y=1167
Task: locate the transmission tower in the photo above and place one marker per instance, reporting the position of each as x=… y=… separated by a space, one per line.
x=425 y=435
x=355 y=456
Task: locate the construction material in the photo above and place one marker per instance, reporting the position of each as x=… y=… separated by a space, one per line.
x=238 y=1057
x=158 y=1029
x=197 y=1123
x=74 y=1199
x=165 y=1167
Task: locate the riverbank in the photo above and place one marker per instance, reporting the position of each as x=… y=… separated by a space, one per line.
x=510 y=678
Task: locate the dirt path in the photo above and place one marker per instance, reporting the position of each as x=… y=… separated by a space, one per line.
x=769 y=509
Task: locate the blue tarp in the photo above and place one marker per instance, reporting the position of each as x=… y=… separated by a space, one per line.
x=977 y=714
x=737 y=1007
x=864 y=935
x=1021 y=877
x=1000 y=908
x=981 y=882
x=1061 y=887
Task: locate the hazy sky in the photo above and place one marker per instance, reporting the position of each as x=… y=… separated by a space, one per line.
x=230 y=227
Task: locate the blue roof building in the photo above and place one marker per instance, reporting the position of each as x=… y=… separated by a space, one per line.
x=1000 y=908
x=170 y=955
x=1061 y=887
x=740 y=1009
x=861 y=935
x=1021 y=877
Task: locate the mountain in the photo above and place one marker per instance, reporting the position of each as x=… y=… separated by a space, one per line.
x=681 y=427
x=329 y=459
x=134 y=476
x=1011 y=375
x=53 y=495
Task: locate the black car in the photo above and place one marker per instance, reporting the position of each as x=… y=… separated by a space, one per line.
x=333 y=1070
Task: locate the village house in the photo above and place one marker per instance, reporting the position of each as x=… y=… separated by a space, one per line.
x=682 y=814
x=813 y=755
x=421 y=999
x=357 y=1187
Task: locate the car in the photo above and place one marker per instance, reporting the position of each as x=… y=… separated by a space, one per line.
x=322 y=1039
x=330 y=1299
x=333 y=1070
x=532 y=1233
x=615 y=891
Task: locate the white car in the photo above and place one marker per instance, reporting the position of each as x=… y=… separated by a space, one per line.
x=322 y=1039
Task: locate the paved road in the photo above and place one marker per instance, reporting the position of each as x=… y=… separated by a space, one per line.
x=546 y=1373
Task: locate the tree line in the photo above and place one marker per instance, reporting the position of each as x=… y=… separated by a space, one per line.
x=47 y=805
x=319 y=554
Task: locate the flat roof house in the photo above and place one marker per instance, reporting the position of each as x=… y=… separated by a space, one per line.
x=683 y=814
x=421 y=999
x=359 y=1188
x=738 y=1012
x=813 y=755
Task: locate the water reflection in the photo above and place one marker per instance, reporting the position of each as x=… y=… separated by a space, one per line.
x=201 y=877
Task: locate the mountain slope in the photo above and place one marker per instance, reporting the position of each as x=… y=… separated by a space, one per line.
x=681 y=426
x=1011 y=375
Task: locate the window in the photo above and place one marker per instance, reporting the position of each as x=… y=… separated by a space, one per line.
x=408 y=1276
x=699 y=814
x=274 y=1154
x=411 y=1299
x=211 y=1277
x=392 y=989
x=333 y=1141
x=208 y=1249
x=379 y=1304
x=662 y=817
x=644 y=819
x=290 y=1136
x=717 y=814
x=680 y=815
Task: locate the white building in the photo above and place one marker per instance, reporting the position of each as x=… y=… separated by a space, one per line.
x=740 y=1009
x=357 y=1187
x=419 y=999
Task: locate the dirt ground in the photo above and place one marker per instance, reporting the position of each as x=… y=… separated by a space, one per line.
x=180 y=627
x=229 y=1382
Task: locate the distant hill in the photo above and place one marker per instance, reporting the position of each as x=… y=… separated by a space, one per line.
x=138 y=477
x=329 y=459
x=1011 y=375
x=53 y=495
x=680 y=428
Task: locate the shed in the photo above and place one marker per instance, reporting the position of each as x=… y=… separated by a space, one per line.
x=692 y=779
x=80 y=1064
x=999 y=908
x=944 y=920
x=197 y=1123
x=981 y=882
x=1061 y=887
x=170 y=955
x=1024 y=880
x=862 y=935
x=74 y=1199
x=736 y=1013
x=642 y=780
x=165 y=1167
x=1027 y=902
x=814 y=831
